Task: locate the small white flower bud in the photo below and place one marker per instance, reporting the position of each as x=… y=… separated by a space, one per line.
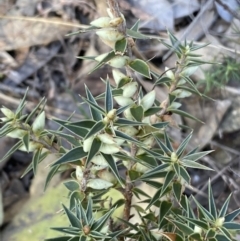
x=39 y=123
x=8 y=113
x=117 y=76
x=140 y=168
x=112 y=114
x=107 y=176
x=174 y=157
x=87 y=144
x=123 y=101
x=119 y=141
x=109 y=43
x=99 y=184
x=148 y=143
x=109 y=149
x=128 y=130
x=148 y=100
x=169 y=73
x=116 y=22
x=99 y=160
x=219 y=222
x=110 y=34
x=197 y=229
x=127 y=114
x=130 y=89
x=118 y=61
x=17 y=133
x=102 y=22
x=32 y=147
x=106 y=138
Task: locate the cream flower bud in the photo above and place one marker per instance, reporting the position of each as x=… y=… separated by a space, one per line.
x=148 y=100
x=140 y=168
x=102 y=22
x=123 y=101
x=129 y=89
x=99 y=160
x=174 y=157
x=109 y=149
x=112 y=114
x=87 y=144
x=146 y=120
x=107 y=176
x=169 y=73
x=219 y=222
x=8 y=113
x=116 y=22
x=17 y=133
x=109 y=43
x=99 y=184
x=106 y=138
x=39 y=123
x=117 y=76
x=110 y=34
x=100 y=57
x=148 y=143
x=128 y=130
x=127 y=114
x=106 y=120
x=197 y=229
x=119 y=141
x=118 y=61
x=32 y=147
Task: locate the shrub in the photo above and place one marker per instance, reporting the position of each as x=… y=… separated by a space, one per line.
x=130 y=132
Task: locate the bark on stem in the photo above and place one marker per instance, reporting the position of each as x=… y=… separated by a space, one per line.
x=114 y=8
x=173 y=86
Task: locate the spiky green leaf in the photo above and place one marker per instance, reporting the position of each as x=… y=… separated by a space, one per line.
x=96 y=144
x=185 y=114
x=224 y=208
x=35 y=160
x=108 y=97
x=183 y=145
x=95 y=113
x=12 y=150
x=73 y=155
x=191 y=164
x=77 y=130
x=112 y=165
x=95 y=129
x=230 y=217
x=212 y=206
x=164 y=209
x=75 y=222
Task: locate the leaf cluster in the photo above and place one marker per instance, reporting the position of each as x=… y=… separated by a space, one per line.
x=130 y=131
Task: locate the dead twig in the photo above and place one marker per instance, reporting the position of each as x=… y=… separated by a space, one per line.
x=226 y=7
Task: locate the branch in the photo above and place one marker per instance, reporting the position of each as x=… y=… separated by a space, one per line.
x=114 y=8
x=165 y=103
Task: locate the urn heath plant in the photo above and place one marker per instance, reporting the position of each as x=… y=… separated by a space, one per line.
x=130 y=133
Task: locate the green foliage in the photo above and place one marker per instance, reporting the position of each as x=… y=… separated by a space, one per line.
x=220 y=74
x=129 y=131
